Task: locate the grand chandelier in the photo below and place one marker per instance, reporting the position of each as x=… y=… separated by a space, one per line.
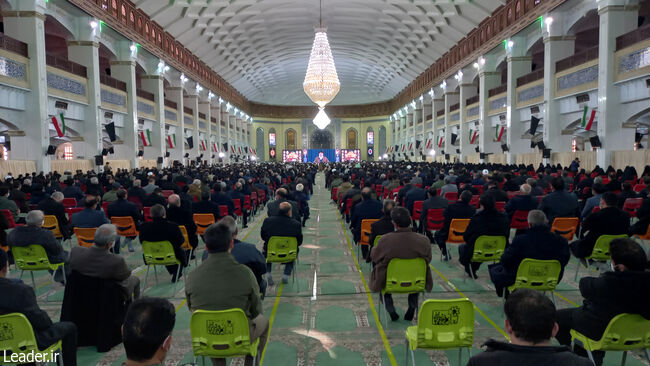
x=321 y=81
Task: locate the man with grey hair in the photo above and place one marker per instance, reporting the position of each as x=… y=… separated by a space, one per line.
x=448 y=187
x=97 y=261
x=33 y=233
x=53 y=205
x=538 y=242
x=161 y=229
x=522 y=202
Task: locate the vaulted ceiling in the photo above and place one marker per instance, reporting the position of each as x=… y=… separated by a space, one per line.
x=262 y=47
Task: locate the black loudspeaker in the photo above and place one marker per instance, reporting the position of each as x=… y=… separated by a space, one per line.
x=198 y=159
x=504 y=147
x=187 y=155
x=51 y=150
x=638 y=137
x=595 y=141
x=167 y=154
x=111 y=150
x=99 y=160
x=213 y=156
x=546 y=153
x=140 y=152
x=200 y=156
x=541 y=146
x=534 y=122
x=442 y=152
x=457 y=151
x=477 y=149
x=417 y=144
x=446 y=156
x=482 y=156
x=160 y=160
x=104 y=152
x=190 y=142
x=453 y=138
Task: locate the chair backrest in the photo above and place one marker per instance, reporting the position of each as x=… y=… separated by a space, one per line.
x=626 y=332
x=31 y=258
x=565 y=226
x=167 y=192
x=16 y=335
x=203 y=221
x=69 y=202
x=631 y=205
x=281 y=249
x=456 y=230
x=479 y=188
x=125 y=225
x=365 y=231
x=406 y=275
x=435 y=219
x=452 y=197
x=220 y=334
x=85 y=236
x=639 y=187
x=51 y=223
x=374 y=244
x=536 y=274
x=237 y=203
x=73 y=210
x=446 y=323
x=10 y=218
x=146 y=212
x=500 y=206
x=105 y=207
x=475 y=200
x=417 y=210
x=247 y=202
x=348 y=205
x=158 y=253
x=186 y=244
x=223 y=210
x=601 y=248
x=488 y=248
x=519 y=220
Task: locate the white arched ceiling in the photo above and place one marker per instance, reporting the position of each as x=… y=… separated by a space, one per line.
x=262 y=47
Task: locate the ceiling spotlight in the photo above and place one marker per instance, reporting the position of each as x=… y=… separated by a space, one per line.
x=431 y=92
x=220 y=100
x=210 y=95
x=510 y=44
x=460 y=74
x=183 y=78
x=385 y=156
x=481 y=60
x=444 y=84
x=475 y=65
x=93 y=24
x=421 y=97
x=199 y=88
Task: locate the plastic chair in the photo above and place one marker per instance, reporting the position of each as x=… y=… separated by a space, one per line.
x=625 y=332
x=146 y=212
x=631 y=205
x=479 y=188
x=435 y=219
x=536 y=274
x=159 y=253
x=519 y=220
x=374 y=244
x=247 y=203
x=442 y=324
x=237 y=203
x=85 y=236
x=125 y=225
x=282 y=249
x=10 y=218
x=639 y=187
x=348 y=206
x=457 y=228
x=223 y=210
x=500 y=206
x=167 y=192
x=34 y=258
x=600 y=253
x=403 y=276
x=69 y=202
x=73 y=210
x=452 y=197
x=475 y=200
x=186 y=244
x=417 y=210
x=203 y=221
x=335 y=192
x=565 y=226
x=487 y=249
x=18 y=338
x=51 y=223
x=221 y=334
x=105 y=207
x=365 y=233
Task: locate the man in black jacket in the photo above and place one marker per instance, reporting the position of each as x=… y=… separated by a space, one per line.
x=488 y=221
x=124 y=208
x=383 y=226
x=205 y=206
x=238 y=194
x=281 y=195
x=559 y=203
x=20 y=298
x=180 y=216
x=368 y=208
x=220 y=198
x=162 y=229
x=433 y=202
x=281 y=225
x=52 y=206
x=610 y=220
x=155 y=198
x=530 y=324
x=625 y=290
x=538 y=242
x=459 y=210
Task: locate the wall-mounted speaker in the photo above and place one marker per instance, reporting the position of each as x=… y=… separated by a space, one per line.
x=532 y=144
x=482 y=155
x=582 y=98
x=446 y=156
x=104 y=152
x=111 y=150
x=60 y=105
x=595 y=141
x=167 y=154
x=504 y=147
x=187 y=155
x=457 y=151
x=546 y=153
x=99 y=160
x=140 y=152
x=160 y=160
x=541 y=146
x=477 y=149
x=51 y=150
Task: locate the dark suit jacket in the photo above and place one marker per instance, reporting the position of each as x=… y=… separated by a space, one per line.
x=206 y=207
x=415 y=194
x=560 y=204
x=431 y=204
x=383 y=226
x=50 y=207
x=607 y=221
x=122 y=207
x=248 y=255
x=19 y=197
x=521 y=202
x=368 y=209
x=222 y=199
x=273 y=208
x=23 y=236
x=73 y=191
x=498 y=194
x=164 y=230
x=280 y=225
x=486 y=222
x=89 y=218
x=154 y=199
x=183 y=217
x=99 y=263
x=508 y=354
x=402 y=193
x=459 y=210
x=138 y=192
x=643 y=214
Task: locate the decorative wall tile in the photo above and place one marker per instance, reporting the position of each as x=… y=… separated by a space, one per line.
x=170 y=115
x=440 y=122
x=188 y=120
x=531 y=93
x=202 y=125
x=213 y=127
x=454 y=117
x=634 y=60
x=113 y=98
x=12 y=69
x=474 y=111
x=498 y=103
x=578 y=78
x=146 y=108
x=59 y=82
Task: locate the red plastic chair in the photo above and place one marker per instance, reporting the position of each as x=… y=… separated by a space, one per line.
x=435 y=219
x=348 y=206
x=105 y=207
x=254 y=199
x=10 y=219
x=262 y=197
x=500 y=206
x=247 y=203
x=639 y=187
x=146 y=212
x=519 y=220
x=223 y=210
x=417 y=210
x=479 y=188
x=452 y=197
x=631 y=205
x=335 y=192
x=167 y=192
x=596 y=209
x=474 y=200
x=238 y=207
x=511 y=194
x=73 y=210
x=69 y=202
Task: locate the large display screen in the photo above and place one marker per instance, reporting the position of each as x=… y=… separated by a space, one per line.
x=370 y=138
x=272 y=139
x=350 y=155
x=292 y=156
x=321 y=156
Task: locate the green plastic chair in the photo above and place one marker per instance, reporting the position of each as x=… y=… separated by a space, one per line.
x=404 y=276
x=487 y=249
x=159 y=253
x=221 y=334
x=625 y=332
x=600 y=253
x=34 y=258
x=283 y=249
x=374 y=243
x=17 y=336
x=442 y=324
x=536 y=274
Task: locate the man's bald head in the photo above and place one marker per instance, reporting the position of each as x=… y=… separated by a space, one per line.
x=285 y=208
x=366 y=193
x=281 y=193
x=174 y=200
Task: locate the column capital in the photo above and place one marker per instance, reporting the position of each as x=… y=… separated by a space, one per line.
x=608 y=8
x=489 y=73
x=191 y=96
x=204 y=102
x=549 y=39
x=467 y=85
x=23 y=14
x=452 y=93
x=175 y=88
x=123 y=63
x=84 y=43
x=152 y=77
x=519 y=58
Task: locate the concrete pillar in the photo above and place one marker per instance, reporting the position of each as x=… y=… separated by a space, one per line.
x=204 y=107
x=518 y=65
x=191 y=100
x=26 y=24
x=438 y=103
x=489 y=78
x=154 y=84
x=175 y=94
x=616 y=18
x=215 y=111
x=124 y=70
x=451 y=98
x=467 y=90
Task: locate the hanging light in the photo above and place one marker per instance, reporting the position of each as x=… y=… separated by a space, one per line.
x=321 y=81
x=321 y=120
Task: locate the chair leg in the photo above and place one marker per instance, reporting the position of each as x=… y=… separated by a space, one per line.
x=623 y=358
x=552 y=297
x=591 y=357
x=647 y=354
x=577 y=270
x=21 y=273
x=406 y=352
x=33 y=282
x=144 y=285
x=460 y=357
x=412 y=358
x=155 y=272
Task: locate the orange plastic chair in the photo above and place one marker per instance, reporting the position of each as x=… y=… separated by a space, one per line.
x=125 y=225
x=565 y=226
x=202 y=222
x=51 y=223
x=365 y=231
x=456 y=230
x=186 y=244
x=85 y=236
x=645 y=236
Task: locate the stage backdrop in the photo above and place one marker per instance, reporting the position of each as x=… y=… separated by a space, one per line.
x=329 y=154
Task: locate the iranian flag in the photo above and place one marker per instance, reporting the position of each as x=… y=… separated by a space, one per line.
x=203 y=145
x=498 y=132
x=429 y=143
x=403 y=147
x=587 y=124
x=59 y=124
x=214 y=146
x=411 y=146
x=440 y=141
x=145 y=136
x=474 y=135
x=239 y=148
x=171 y=142
x=232 y=149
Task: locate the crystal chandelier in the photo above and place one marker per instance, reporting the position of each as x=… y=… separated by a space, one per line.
x=321 y=81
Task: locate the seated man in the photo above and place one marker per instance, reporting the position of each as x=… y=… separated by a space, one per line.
x=20 y=298
x=432 y=202
x=449 y=187
x=180 y=216
x=413 y=195
x=237 y=194
x=521 y=202
x=626 y=289
x=280 y=225
x=368 y=208
x=403 y=244
x=538 y=242
x=559 y=203
x=459 y=210
x=7 y=204
x=610 y=220
x=383 y=226
x=111 y=196
x=303 y=204
x=53 y=206
x=90 y=216
x=220 y=198
x=487 y=221
x=205 y=206
x=239 y=291
x=530 y=324
x=162 y=229
x=597 y=190
x=155 y=198
x=281 y=195
x=33 y=233
x=147 y=331
x=123 y=208
x=96 y=261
